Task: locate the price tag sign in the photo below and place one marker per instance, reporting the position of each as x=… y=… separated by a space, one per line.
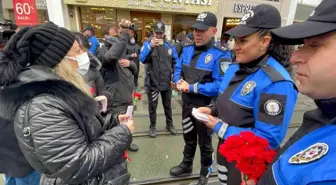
x=25 y=12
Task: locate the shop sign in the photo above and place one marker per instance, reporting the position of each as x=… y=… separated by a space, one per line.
x=25 y=12
x=242 y=8
x=169 y=4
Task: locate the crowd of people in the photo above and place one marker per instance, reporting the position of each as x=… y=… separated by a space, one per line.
x=64 y=98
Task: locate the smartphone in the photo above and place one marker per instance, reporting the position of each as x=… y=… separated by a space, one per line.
x=160 y=41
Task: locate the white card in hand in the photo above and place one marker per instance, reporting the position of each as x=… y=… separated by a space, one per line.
x=103 y=101
x=129 y=111
x=200 y=116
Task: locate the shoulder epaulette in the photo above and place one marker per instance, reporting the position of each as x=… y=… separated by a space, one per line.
x=219 y=47
x=186 y=44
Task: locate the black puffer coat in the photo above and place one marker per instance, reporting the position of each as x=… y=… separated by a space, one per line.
x=60 y=131
x=94 y=77
x=119 y=80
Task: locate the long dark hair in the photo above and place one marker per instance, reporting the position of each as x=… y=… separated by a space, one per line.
x=281 y=53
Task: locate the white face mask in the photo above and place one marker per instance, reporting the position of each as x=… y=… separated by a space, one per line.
x=133 y=41
x=83 y=61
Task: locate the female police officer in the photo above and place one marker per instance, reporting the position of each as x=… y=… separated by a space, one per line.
x=309 y=157
x=257 y=93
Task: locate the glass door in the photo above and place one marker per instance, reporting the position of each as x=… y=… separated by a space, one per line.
x=144 y=22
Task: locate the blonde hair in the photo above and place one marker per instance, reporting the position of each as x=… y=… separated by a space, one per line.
x=67 y=73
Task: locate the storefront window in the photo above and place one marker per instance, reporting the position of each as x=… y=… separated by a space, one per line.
x=144 y=23
x=98 y=18
x=228 y=24
x=42 y=16
x=182 y=23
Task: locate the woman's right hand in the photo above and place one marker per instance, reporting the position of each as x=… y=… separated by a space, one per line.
x=247 y=182
x=123 y=117
x=129 y=122
x=205 y=110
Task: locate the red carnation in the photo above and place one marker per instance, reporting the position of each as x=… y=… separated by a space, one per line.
x=92 y=90
x=137 y=96
x=251 y=153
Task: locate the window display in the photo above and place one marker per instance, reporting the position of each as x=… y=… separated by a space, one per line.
x=98 y=18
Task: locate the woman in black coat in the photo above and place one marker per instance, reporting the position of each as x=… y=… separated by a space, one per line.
x=56 y=121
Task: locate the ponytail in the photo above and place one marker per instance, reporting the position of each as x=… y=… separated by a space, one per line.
x=281 y=53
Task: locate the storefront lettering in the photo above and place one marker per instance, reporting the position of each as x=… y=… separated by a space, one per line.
x=242 y=8
x=177 y=4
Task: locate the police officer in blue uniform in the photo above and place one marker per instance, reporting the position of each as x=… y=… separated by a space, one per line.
x=159 y=57
x=199 y=75
x=257 y=93
x=309 y=156
x=93 y=41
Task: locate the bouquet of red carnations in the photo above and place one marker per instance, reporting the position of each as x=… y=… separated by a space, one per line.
x=251 y=153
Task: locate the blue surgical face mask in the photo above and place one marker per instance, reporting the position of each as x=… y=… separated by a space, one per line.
x=83 y=62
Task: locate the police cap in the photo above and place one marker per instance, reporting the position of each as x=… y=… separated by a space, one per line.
x=159 y=27
x=263 y=16
x=205 y=20
x=322 y=20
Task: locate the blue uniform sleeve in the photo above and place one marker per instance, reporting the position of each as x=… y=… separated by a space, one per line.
x=212 y=88
x=273 y=111
x=145 y=50
x=94 y=45
x=178 y=69
x=323 y=183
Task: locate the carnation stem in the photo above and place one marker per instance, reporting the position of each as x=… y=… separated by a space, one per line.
x=246 y=177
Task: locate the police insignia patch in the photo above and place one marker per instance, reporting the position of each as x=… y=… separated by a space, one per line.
x=248 y=87
x=273 y=107
x=170 y=52
x=312 y=153
x=224 y=66
x=208 y=58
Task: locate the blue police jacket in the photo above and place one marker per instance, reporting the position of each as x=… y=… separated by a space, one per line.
x=205 y=72
x=261 y=100
x=94 y=44
x=309 y=161
x=159 y=65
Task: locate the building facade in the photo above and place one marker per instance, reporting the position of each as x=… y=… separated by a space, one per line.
x=8 y=11
x=231 y=11
x=304 y=9
x=178 y=15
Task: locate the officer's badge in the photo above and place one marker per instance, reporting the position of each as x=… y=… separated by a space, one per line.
x=170 y=52
x=224 y=66
x=248 y=87
x=273 y=107
x=90 y=44
x=208 y=58
x=310 y=154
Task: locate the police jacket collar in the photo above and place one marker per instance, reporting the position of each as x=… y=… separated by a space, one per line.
x=253 y=66
x=206 y=46
x=327 y=107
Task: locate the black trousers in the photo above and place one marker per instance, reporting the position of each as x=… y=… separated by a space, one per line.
x=153 y=98
x=228 y=174
x=193 y=131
